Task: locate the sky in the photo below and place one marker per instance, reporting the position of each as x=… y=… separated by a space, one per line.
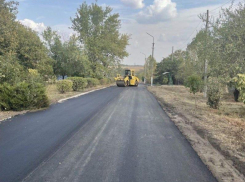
x=171 y=22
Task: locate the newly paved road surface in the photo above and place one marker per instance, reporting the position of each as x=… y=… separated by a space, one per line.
x=115 y=134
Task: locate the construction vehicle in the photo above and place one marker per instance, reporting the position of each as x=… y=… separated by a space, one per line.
x=129 y=79
x=118 y=76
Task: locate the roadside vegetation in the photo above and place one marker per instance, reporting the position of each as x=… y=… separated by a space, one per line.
x=30 y=63
x=213 y=108
x=221 y=47
x=223 y=128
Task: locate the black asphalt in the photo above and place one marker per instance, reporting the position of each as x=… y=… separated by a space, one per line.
x=115 y=134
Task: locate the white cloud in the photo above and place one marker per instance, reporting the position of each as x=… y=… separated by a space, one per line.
x=159 y=11
x=62 y=29
x=38 y=27
x=175 y=32
x=137 y=4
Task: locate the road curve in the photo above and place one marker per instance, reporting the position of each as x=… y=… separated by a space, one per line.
x=115 y=134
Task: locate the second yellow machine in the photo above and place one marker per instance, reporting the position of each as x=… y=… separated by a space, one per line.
x=128 y=80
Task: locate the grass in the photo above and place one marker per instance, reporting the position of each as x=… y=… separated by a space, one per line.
x=54 y=96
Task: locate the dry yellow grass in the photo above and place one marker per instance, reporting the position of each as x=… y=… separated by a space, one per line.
x=54 y=96
x=223 y=128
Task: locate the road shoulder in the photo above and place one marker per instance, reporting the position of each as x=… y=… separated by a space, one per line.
x=221 y=167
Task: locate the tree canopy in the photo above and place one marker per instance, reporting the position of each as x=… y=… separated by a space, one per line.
x=98 y=31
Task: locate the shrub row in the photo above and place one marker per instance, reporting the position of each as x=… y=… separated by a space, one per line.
x=23 y=96
x=79 y=83
x=64 y=86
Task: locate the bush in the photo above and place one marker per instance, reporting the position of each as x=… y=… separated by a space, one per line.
x=34 y=77
x=195 y=84
x=78 y=83
x=64 y=86
x=105 y=81
x=165 y=81
x=92 y=82
x=239 y=83
x=111 y=80
x=23 y=96
x=214 y=94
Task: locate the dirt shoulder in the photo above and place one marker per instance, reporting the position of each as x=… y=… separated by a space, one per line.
x=53 y=95
x=218 y=136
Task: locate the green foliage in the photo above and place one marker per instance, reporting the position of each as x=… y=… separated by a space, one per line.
x=26 y=62
x=64 y=86
x=98 y=30
x=92 y=82
x=34 y=76
x=11 y=71
x=239 y=81
x=194 y=83
x=103 y=81
x=214 y=93
x=69 y=59
x=79 y=83
x=150 y=66
x=20 y=48
x=22 y=96
x=223 y=47
x=111 y=80
x=169 y=65
x=165 y=81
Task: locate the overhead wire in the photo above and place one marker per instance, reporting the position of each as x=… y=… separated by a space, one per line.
x=213 y=16
x=192 y=34
x=222 y=5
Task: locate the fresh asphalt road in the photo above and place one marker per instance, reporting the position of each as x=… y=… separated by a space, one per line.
x=115 y=134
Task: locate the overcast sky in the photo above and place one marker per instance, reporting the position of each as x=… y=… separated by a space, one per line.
x=171 y=22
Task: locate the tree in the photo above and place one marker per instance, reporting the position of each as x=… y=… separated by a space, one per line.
x=169 y=65
x=239 y=81
x=20 y=47
x=150 y=66
x=8 y=26
x=69 y=57
x=98 y=31
x=195 y=84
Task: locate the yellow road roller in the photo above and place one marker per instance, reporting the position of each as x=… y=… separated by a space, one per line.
x=118 y=76
x=129 y=79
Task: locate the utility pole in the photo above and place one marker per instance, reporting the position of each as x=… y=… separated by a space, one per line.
x=172 y=53
x=144 y=67
x=206 y=61
x=153 y=44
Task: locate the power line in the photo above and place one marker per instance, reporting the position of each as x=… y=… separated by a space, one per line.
x=217 y=14
x=213 y=16
x=192 y=33
x=222 y=5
